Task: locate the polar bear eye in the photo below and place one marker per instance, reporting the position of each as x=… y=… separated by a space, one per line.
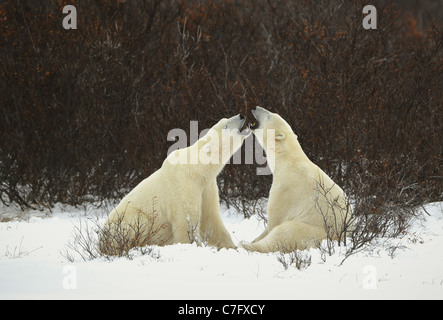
x=225 y=127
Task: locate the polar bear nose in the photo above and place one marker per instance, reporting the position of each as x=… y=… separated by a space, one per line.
x=242 y=117
x=258 y=108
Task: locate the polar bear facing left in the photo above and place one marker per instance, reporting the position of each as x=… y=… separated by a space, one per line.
x=178 y=203
x=305 y=205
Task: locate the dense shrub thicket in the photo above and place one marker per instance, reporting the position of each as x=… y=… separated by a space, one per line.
x=85 y=113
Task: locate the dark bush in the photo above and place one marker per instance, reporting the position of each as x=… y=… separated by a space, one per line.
x=85 y=113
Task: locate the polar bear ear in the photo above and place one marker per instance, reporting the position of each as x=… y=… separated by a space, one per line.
x=280 y=136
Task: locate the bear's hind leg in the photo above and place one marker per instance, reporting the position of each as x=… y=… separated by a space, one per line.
x=185 y=225
x=287 y=237
x=264 y=234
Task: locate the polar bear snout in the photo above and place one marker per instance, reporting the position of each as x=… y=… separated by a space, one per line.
x=260 y=114
x=237 y=123
x=242 y=121
x=244 y=129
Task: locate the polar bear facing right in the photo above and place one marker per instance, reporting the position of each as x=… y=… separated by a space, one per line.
x=178 y=203
x=305 y=206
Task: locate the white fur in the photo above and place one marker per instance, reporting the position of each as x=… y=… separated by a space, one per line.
x=180 y=202
x=300 y=213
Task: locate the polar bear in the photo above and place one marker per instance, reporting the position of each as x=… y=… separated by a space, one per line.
x=305 y=205
x=178 y=203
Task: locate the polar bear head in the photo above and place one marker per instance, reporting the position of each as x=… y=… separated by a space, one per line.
x=216 y=144
x=275 y=136
x=223 y=140
x=269 y=125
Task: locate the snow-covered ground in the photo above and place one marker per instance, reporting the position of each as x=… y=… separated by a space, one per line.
x=32 y=265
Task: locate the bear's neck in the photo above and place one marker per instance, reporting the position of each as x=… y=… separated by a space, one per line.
x=288 y=155
x=206 y=172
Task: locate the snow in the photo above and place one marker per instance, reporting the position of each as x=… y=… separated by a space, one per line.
x=33 y=266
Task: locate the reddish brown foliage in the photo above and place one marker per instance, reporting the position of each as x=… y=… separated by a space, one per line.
x=86 y=112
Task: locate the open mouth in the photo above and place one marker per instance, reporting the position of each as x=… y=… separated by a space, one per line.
x=244 y=129
x=253 y=125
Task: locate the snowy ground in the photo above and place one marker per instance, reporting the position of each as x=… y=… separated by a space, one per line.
x=32 y=265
